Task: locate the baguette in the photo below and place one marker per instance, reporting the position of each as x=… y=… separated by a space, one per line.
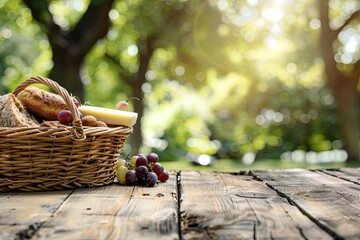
x=41 y=103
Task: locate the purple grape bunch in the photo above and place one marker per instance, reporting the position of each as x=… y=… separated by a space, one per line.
x=141 y=170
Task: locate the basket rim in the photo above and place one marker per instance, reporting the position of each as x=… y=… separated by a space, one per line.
x=77 y=129
x=87 y=130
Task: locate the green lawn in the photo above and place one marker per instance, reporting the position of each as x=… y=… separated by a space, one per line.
x=227 y=165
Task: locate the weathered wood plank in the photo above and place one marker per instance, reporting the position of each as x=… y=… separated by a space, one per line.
x=333 y=203
x=116 y=212
x=305 y=205
x=21 y=213
x=228 y=206
x=350 y=174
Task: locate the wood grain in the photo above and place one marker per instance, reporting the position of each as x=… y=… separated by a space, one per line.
x=333 y=203
x=21 y=213
x=261 y=204
x=228 y=206
x=349 y=174
x=116 y=212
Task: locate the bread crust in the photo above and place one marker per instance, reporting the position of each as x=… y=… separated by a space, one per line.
x=14 y=114
x=41 y=103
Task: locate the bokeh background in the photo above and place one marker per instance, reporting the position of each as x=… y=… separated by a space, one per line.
x=225 y=84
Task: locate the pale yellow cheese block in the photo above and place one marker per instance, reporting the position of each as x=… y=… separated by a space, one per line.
x=110 y=116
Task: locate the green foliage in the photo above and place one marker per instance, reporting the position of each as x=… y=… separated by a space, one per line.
x=225 y=77
x=22 y=46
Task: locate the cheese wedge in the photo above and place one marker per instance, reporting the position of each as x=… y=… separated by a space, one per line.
x=110 y=116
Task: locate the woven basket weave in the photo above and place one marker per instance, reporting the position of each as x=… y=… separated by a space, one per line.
x=54 y=158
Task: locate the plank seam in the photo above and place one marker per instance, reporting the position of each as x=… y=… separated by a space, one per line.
x=281 y=194
x=338 y=177
x=179 y=200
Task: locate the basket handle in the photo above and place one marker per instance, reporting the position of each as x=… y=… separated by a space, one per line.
x=77 y=128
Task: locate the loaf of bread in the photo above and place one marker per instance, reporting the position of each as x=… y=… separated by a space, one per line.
x=41 y=103
x=14 y=114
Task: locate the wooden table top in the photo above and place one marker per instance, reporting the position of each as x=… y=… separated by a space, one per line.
x=260 y=204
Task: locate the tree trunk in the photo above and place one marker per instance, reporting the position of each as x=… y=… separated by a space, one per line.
x=146 y=50
x=136 y=138
x=343 y=87
x=69 y=47
x=348 y=106
x=66 y=71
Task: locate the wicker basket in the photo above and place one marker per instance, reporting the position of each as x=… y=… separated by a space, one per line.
x=48 y=158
